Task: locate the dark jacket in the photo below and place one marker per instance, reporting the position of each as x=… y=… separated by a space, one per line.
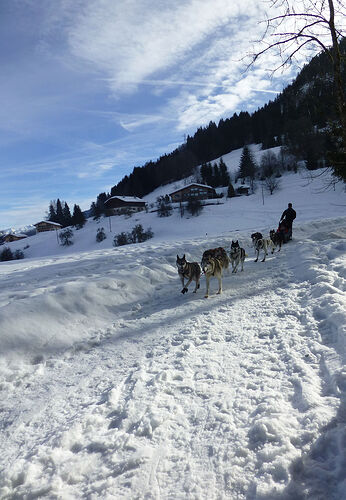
x=288 y=215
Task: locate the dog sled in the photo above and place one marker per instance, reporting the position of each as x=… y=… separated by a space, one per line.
x=285 y=232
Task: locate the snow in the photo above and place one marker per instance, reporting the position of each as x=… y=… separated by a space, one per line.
x=129 y=199
x=48 y=222
x=193 y=184
x=114 y=385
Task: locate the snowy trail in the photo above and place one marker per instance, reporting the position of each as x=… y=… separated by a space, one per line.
x=239 y=396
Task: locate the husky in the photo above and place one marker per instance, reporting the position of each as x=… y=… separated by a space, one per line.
x=255 y=237
x=277 y=238
x=261 y=243
x=189 y=270
x=237 y=256
x=214 y=261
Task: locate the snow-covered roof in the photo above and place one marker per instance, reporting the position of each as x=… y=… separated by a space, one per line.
x=47 y=222
x=128 y=199
x=190 y=185
x=15 y=235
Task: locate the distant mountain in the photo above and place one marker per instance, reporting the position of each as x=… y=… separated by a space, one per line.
x=297 y=119
x=28 y=230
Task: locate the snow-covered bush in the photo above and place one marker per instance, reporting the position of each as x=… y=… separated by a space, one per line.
x=164 y=206
x=6 y=254
x=18 y=254
x=65 y=237
x=122 y=239
x=137 y=235
x=100 y=235
x=194 y=206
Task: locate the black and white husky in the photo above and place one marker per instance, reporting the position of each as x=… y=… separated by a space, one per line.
x=189 y=270
x=261 y=243
x=236 y=256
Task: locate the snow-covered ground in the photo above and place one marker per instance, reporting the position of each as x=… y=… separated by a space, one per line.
x=114 y=385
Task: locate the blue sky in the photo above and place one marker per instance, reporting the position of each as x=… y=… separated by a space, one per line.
x=92 y=88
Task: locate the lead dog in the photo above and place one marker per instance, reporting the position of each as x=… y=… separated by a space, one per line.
x=189 y=270
x=236 y=256
x=214 y=261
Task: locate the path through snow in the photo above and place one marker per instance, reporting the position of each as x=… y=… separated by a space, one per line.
x=239 y=396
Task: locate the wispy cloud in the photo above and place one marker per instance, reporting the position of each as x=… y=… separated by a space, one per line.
x=191 y=83
x=100 y=87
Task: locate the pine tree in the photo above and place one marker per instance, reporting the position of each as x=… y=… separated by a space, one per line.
x=52 y=212
x=59 y=213
x=216 y=176
x=100 y=203
x=247 y=167
x=67 y=215
x=209 y=174
x=78 y=218
x=95 y=211
x=230 y=191
x=224 y=175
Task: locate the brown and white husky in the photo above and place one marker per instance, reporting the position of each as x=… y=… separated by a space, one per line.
x=214 y=261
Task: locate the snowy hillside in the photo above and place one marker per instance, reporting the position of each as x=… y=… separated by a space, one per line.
x=114 y=385
x=232 y=161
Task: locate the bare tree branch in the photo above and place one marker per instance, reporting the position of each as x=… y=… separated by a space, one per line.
x=317 y=23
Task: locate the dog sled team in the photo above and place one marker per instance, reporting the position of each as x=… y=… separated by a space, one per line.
x=216 y=260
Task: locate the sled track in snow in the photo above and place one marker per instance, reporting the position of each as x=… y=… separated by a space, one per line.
x=183 y=397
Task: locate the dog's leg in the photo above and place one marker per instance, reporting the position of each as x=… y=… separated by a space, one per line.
x=185 y=288
x=257 y=254
x=207 y=279
x=197 y=285
x=242 y=265
x=220 y=285
x=265 y=251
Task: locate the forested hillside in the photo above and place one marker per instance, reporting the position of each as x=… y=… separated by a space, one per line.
x=297 y=118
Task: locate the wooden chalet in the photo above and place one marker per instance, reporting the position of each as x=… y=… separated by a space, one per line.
x=124 y=204
x=47 y=225
x=13 y=237
x=243 y=190
x=198 y=191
